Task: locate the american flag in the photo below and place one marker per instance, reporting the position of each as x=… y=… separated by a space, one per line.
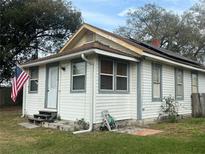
x=19 y=79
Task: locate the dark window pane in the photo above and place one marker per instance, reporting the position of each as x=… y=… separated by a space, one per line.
x=107 y=66
x=156 y=73
x=106 y=82
x=121 y=69
x=179 y=76
x=79 y=82
x=33 y=85
x=121 y=83
x=179 y=90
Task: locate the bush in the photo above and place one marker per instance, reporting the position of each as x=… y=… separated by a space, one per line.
x=81 y=125
x=169 y=109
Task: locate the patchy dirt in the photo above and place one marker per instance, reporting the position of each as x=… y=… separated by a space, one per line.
x=139 y=131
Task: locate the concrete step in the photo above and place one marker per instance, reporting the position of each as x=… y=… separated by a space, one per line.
x=36 y=120
x=48 y=112
x=42 y=116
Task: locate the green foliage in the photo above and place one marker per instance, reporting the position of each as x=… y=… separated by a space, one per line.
x=170 y=109
x=184 y=34
x=31 y=26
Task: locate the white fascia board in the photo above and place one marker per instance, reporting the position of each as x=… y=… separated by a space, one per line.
x=172 y=62
x=57 y=59
x=105 y=53
x=78 y=54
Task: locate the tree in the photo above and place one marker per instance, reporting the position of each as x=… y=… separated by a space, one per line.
x=31 y=26
x=182 y=34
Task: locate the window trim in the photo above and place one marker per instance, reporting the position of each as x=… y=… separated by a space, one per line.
x=160 y=67
x=115 y=76
x=176 y=96
x=30 y=79
x=114 y=89
x=196 y=73
x=71 y=76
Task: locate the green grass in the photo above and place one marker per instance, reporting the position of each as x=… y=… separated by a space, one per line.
x=184 y=137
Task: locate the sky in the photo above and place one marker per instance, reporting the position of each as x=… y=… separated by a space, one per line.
x=110 y=14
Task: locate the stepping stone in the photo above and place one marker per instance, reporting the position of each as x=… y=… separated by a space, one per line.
x=28 y=125
x=146 y=132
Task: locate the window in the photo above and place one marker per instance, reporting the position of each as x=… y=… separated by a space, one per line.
x=121 y=76
x=179 y=86
x=156 y=82
x=113 y=75
x=106 y=75
x=78 y=76
x=33 y=82
x=194 y=82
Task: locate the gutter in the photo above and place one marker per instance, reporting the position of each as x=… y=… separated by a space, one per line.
x=92 y=103
x=75 y=55
x=172 y=62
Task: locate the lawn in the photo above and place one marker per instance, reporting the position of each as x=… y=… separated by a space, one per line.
x=184 y=137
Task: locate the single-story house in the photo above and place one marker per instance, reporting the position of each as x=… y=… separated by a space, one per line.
x=97 y=70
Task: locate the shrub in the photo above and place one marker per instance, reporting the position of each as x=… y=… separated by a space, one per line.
x=170 y=108
x=81 y=124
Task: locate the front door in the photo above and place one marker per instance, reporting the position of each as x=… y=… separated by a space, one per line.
x=52 y=87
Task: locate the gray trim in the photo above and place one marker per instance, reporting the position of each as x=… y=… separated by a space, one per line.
x=46 y=85
x=114 y=90
x=197 y=74
x=71 y=76
x=160 y=98
x=29 y=85
x=139 y=94
x=182 y=98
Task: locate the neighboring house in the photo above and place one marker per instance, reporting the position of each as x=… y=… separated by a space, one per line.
x=97 y=70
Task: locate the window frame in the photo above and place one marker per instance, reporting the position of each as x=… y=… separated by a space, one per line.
x=33 y=79
x=72 y=76
x=114 y=76
x=197 y=86
x=177 y=96
x=159 y=99
x=105 y=74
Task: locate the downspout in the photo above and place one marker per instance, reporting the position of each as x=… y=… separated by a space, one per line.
x=92 y=103
x=24 y=101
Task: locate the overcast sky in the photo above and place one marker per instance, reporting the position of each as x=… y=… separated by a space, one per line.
x=109 y=14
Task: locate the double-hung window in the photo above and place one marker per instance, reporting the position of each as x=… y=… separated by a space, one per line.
x=156 y=82
x=179 y=84
x=113 y=75
x=33 y=82
x=78 y=76
x=194 y=82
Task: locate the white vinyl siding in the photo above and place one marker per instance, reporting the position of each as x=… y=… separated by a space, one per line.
x=151 y=109
x=120 y=105
x=33 y=102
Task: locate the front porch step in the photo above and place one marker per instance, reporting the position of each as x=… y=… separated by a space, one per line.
x=42 y=116
x=46 y=112
x=36 y=120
